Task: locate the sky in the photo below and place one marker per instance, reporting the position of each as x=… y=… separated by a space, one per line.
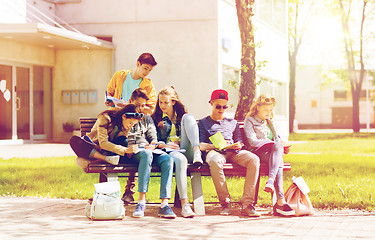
x=323 y=43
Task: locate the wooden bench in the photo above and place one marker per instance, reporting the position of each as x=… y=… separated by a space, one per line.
x=108 y=172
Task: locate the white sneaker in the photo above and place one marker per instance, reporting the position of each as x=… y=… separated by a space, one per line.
x=197 y=161
x=186 y=211
x=112 y=159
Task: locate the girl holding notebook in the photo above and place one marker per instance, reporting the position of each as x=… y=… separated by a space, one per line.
x=266 y=144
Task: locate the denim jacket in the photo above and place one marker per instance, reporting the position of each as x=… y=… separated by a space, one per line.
x=164 y=128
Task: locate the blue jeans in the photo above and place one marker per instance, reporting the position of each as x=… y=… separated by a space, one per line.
x=189 y=135
x=145 y=158
x=180 y=162
x=188 y=139
x=273 y=155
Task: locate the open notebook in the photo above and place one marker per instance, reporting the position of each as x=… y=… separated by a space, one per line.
x=219 y=142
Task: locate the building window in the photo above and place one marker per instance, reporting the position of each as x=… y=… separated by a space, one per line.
x=362 y=95
x=231 y=83
x=276 y=89
x=340 y=95
x=314 y=103
x=272 y=12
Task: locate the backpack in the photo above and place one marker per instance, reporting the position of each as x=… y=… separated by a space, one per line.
x=106 y=203
x=296 y=197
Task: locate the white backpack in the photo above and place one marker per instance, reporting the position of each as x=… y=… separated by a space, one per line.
x=106 y=202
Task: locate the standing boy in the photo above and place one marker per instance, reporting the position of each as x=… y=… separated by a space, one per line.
x=216 y=122
x=124 y=82
x=121 y=86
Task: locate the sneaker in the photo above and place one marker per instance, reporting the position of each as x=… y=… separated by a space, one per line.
x=225 y=209
x=127 y=197
x=166 y=212
x=284 y=210
x=139 y=210
x=249 y=211
x=197 y=161
x=270 y=188
x=186 y=211
x=112 y=159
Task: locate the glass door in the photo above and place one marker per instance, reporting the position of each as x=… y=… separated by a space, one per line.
x=14 y=102
x=22 y=89
x=6 y=101
x=25 y=102
x=42 y=103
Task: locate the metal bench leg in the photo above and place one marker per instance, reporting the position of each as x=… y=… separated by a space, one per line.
x=257 y=191
x=196 y=187
x=102 y=177
x=112 y=177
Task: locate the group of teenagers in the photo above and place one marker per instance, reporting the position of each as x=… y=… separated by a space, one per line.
x=138 y=130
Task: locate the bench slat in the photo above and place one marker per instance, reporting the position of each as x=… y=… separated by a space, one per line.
x=229 y=169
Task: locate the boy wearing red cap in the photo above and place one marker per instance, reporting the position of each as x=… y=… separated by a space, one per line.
x=217 y=122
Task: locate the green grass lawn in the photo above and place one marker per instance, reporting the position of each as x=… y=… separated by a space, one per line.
x=339 y=172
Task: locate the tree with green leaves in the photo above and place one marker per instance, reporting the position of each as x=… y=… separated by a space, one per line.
x=353 y=53
x=245 y=12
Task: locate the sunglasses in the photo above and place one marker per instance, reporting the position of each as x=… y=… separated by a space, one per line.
x=134 y=115
x=268 y=100
x=221 y=107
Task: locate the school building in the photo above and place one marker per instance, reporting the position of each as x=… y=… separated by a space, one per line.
x=57 y=57
x=319 y=106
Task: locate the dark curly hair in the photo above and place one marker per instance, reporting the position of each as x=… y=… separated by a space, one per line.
x=116 y=115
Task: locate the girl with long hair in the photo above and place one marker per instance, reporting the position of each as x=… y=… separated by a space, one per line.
x=265 y=143
x=177 y=129
x=107 y=140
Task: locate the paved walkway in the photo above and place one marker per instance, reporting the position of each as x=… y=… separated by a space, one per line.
x=41 y=218
x=35 y=150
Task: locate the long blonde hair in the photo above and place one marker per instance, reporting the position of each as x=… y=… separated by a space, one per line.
x=178 y=107
x=263 y=99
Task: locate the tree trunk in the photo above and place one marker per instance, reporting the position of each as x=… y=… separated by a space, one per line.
x=356 y=85
x=292 y=91
x=248 y=64
x=294 y=42
x=355 y=117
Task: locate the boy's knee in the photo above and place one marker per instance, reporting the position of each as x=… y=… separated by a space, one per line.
x=215 y=159
x=253 y=159
x=256 y=160
x=145 y=155
x=166 y=159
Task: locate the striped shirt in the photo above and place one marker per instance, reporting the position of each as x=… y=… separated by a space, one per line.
x=228 y=127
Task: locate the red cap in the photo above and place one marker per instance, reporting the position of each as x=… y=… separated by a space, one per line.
x=219 y=94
